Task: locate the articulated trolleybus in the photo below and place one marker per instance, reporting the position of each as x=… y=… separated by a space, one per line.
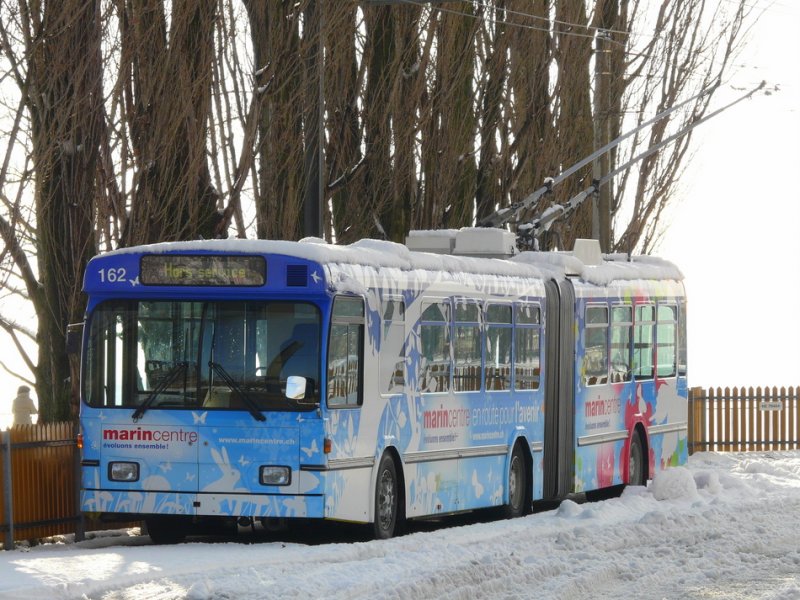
x=248 y=380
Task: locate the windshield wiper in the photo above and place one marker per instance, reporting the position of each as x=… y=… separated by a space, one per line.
x=252 y=407
x=168 y=378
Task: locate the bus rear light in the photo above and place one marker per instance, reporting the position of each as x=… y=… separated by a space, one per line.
x=123 y=471
x=327 y=446
x=79 y=441
x=275 y=475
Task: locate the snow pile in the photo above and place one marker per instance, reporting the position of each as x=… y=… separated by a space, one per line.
x=674 y=483
x=724 y=526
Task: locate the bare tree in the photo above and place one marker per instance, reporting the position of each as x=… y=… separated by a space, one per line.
x=18 y=239
x=62 y=101
x=53 y=52
x=697 y=42
x=136 y=121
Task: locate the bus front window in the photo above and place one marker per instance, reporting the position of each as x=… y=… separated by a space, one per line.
x=216 y=355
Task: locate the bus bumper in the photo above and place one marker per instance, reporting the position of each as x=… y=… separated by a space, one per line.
x=203 y=504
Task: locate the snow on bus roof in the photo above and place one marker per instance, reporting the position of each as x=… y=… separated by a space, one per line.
x=385 y=254
x=615 y=267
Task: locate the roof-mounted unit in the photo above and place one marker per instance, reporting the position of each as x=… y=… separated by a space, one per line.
x=480 y=242
x=485 y=242
x=588 y=252
x=437 y=241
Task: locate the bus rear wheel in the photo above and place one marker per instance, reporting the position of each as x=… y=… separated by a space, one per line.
x=517 y=485
x=386 y=500
x=636 y=469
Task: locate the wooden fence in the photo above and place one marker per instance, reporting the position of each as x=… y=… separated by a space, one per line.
x=744 y=419
x=38 y=471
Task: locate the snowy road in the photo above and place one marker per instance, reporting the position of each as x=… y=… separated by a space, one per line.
x=726 y=526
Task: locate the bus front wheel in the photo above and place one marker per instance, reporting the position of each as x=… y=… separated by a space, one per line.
x=386 y=499
x=166 y=529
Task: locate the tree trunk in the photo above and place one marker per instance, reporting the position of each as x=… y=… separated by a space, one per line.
x=532 y=125
x=575 y=124
x=407 y=87
x=488 y=186
x=277 y=52
x=342 y=93
x=448 y=151
x=66 y=112
x=169 y=104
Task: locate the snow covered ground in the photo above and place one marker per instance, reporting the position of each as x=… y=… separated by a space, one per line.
x=725 y=526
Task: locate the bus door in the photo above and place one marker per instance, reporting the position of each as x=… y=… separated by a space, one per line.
x=559 y=430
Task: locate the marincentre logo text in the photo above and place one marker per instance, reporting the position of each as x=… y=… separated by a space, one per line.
x=150 y=435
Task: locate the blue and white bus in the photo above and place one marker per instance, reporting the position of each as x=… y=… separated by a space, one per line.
x=246 y=380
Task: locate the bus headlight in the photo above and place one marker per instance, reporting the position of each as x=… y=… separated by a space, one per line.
x=123 y=471
x=275 y=475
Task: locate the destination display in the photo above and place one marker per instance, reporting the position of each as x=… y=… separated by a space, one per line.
x=202 y=270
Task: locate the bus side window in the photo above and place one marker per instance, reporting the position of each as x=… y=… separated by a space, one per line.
x=682 y=358
x=346 y=352
x=595 y=359
x=666 y=329
x=467 y=346
x=435 y=347
x=527 y=321
x=498 y=347
x=392 y=352
x=621 y=325
x=643 y=342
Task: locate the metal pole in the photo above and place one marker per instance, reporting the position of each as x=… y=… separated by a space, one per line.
x=80 y=526
x=321 y=124
x=599 y=138
x=5 y=437
x=604 y=104
x=314 y=136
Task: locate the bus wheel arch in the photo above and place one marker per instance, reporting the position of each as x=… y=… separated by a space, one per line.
x=389 y=505
x=519 y=481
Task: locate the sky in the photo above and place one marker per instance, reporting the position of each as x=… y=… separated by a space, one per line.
x=734 y=230
x=724 y=526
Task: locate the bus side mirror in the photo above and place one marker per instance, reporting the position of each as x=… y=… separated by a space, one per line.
x=74 y=338
x=295 y=387
x=301 y=390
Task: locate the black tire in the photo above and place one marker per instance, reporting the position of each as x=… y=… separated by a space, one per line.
x=517 y=485
x=167 y=529
x=387 y=499
x=637 y=474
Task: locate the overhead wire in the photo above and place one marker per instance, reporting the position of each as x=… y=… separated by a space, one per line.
x=553 y=30
x=495 y=21
x=547 y=19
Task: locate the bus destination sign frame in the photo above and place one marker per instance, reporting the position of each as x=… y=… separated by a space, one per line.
x=203 y=270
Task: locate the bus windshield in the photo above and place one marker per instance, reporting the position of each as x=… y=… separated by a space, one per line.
x=217 y=355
